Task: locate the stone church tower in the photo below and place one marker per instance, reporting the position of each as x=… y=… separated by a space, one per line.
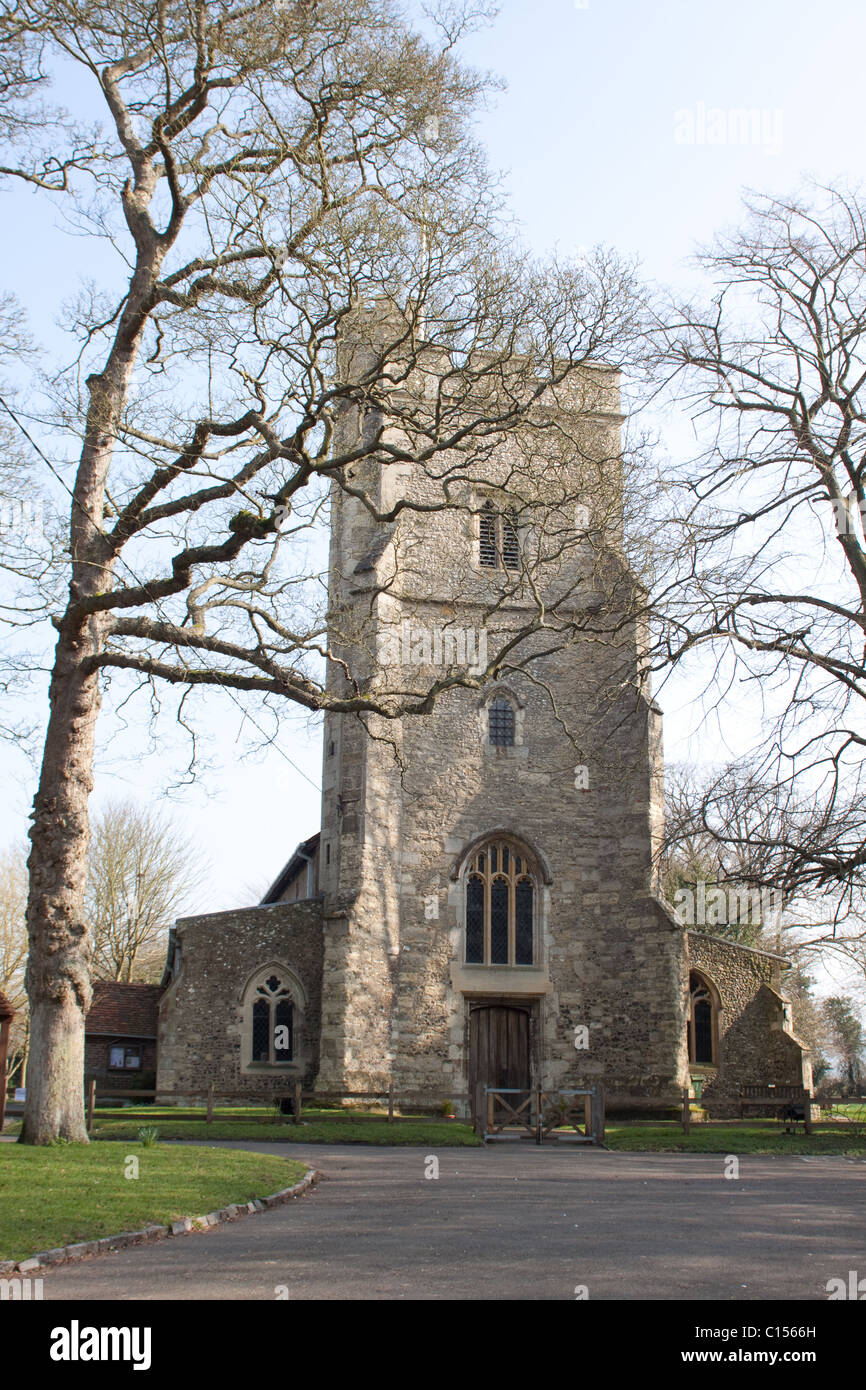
x=487 y=867
x=479 y=906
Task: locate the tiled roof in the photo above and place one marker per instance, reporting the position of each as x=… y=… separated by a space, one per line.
x=124 y=1011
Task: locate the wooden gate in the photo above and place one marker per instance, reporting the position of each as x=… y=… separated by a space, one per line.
x=544 y=1114
x=499 y=1050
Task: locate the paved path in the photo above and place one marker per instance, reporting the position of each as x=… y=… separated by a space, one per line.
x=514 y=1222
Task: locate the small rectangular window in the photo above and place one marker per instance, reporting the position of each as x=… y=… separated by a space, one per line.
x=125 y=1058
x=501 y=724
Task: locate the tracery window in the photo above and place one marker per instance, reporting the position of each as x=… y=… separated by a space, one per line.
x=702 y=1022
x=500 y=897
x=498 y=546
x=272 y=1022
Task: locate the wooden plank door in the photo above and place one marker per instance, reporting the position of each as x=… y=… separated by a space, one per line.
x=499 y=1048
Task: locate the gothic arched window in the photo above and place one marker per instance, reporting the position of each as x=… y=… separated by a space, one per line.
x=498 y=546
x=500 y=896
x=272 y=1021
x=702 y=1024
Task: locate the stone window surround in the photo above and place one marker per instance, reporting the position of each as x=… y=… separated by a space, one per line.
x=476 y=501
x=523 y=980
x=246 y=1000
x=710 y=1068
x=518 y=748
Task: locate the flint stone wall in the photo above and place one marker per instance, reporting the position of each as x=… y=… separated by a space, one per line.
x=755 y=1045
x=201 y=1016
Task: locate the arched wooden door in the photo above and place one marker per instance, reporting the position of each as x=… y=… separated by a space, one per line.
x=498 y=1048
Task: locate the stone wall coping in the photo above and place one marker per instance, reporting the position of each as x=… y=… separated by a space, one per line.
x=65 y=1254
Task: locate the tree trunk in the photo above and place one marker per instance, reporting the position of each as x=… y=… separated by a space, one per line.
x=58 y=968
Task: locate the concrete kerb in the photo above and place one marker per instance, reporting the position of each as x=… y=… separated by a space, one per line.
x=185 y=1226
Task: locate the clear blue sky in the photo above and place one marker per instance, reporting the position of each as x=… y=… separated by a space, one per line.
x=592 y=135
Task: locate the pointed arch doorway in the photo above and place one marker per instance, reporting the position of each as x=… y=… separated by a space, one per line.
x=499 y=1046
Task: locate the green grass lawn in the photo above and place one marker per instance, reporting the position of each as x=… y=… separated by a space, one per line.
x=343 y=1129
x=338 y=1127
x=64 y=1193
x=757 y=1137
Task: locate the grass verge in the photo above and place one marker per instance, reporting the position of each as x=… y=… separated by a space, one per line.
x=64 y=1193
x=757 y=1138
x=344 y=1130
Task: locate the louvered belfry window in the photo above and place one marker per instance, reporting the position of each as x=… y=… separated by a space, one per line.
x=487 y=536
x=498 y=545
x=500 y=897
x=500 y=719
x=510 y=552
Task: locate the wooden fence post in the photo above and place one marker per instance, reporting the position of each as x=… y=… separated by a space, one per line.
x=390 y=1101
x=210 y=1104
x=687 y=1114
x=297 y=1106
x=479 y=1110
x=91 y=1102
x=598 y=1118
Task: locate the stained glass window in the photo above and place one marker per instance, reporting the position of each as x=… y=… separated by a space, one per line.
x=261 y=1031
x=475 y=921
x=499 y=922
x=272 y=1022
x=283 y=1031
x=701 y=1027
x=500 y=892
x=523 y=894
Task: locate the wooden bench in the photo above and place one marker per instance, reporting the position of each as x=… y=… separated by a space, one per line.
x=789 y=1099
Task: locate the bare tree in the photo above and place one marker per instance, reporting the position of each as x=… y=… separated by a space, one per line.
x=142 y=871
x=846 y=1039
x=770 y=573
x=738 y=829
x=267 y=174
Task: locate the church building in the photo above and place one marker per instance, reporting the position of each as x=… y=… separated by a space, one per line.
x=480 y=903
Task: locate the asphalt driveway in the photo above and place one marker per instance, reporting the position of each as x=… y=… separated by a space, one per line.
x=514 y=1222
